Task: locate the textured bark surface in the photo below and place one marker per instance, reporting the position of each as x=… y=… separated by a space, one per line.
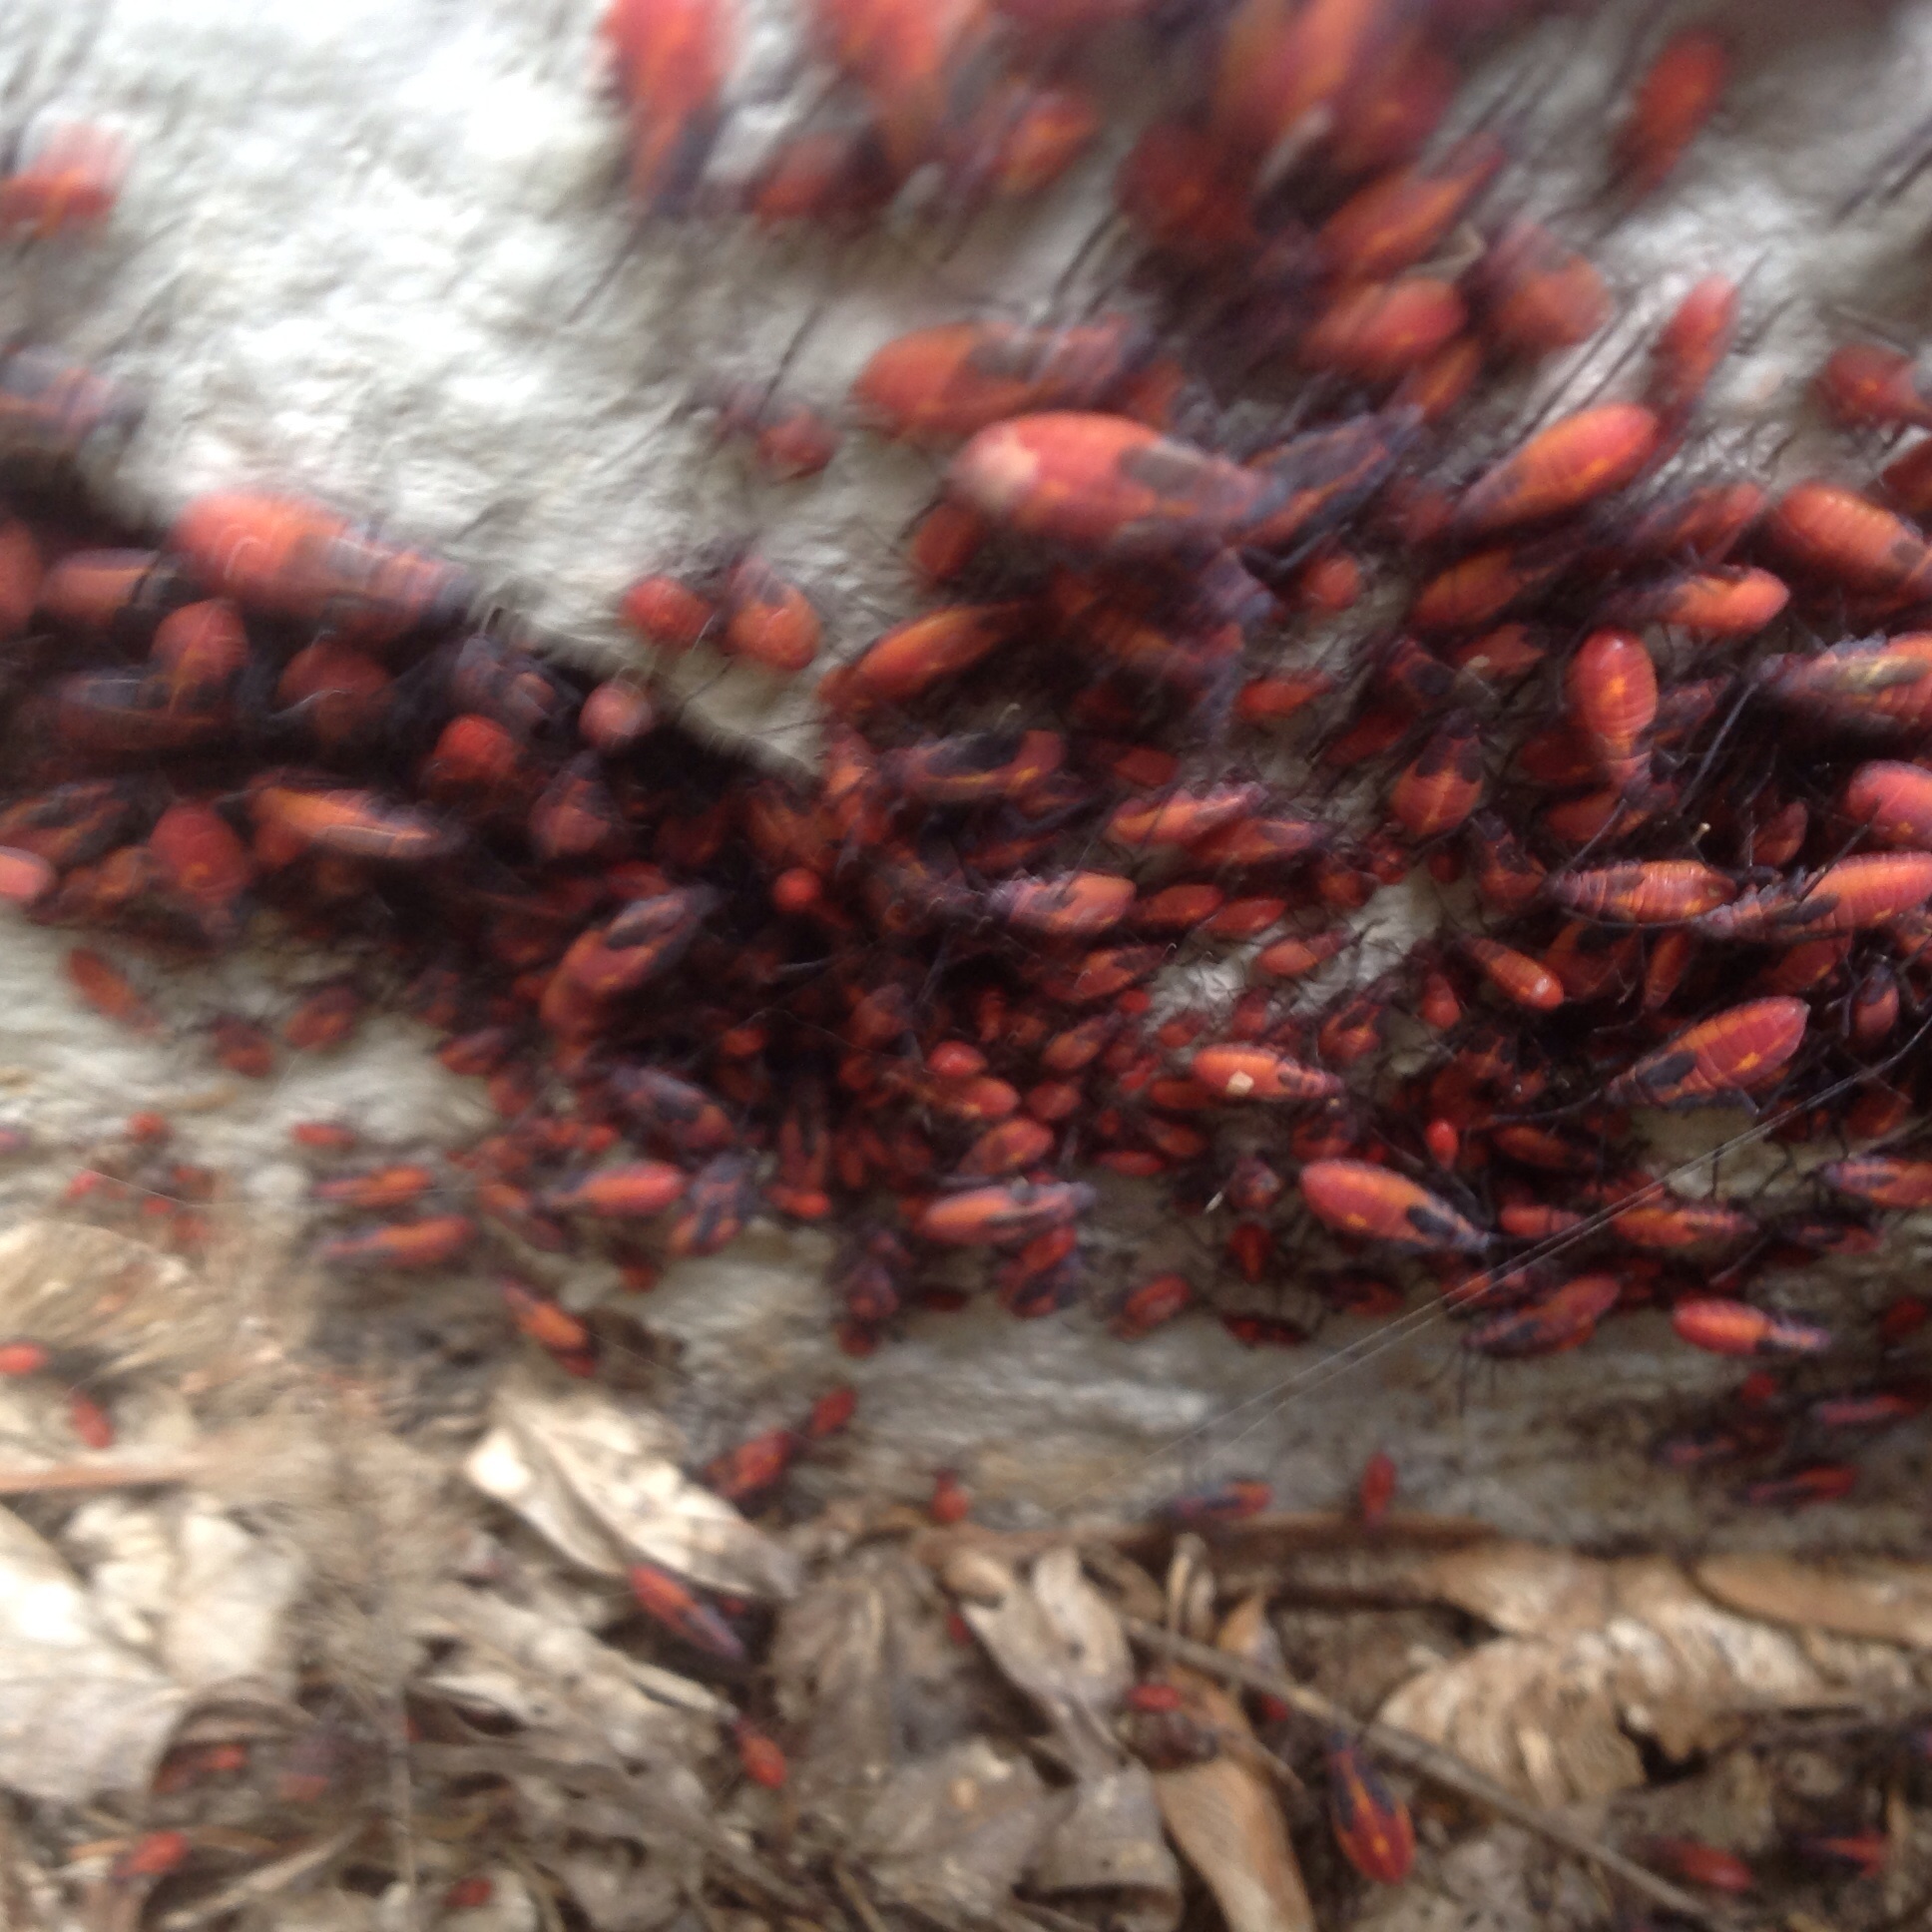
x=378 y=252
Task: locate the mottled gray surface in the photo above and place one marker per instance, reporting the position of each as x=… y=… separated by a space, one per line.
x=375 y=251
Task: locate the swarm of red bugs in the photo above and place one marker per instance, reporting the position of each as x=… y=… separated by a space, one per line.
x=1646 y=731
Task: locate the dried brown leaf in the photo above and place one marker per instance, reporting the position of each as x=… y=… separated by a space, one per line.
x=1525 y=1589
x=952 y=1834
x=1224 y=1817
x=1054 y=1640
x=1549 y=1716
x=550 y=1675
x=1867 y=1598
x=862 y=1663
x=1111 y=1842
x=601 y=1482
x=81 y=1715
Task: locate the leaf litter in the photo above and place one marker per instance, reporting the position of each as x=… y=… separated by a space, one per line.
x=296 y=1650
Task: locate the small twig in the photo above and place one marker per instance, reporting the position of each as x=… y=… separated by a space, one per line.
x=265 y=1880
x=854 y=1895
x=1309 y=1529
x=1427 y=1760
x=542 y=1894
x=101 y=1475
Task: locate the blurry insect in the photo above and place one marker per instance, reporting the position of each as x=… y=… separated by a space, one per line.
x=1824 y=1482
x=1707 y=1865
x=1230 y=1502
x=1376 y=1489
x=1562 y=467
x=940 y=385
x=296 y=560
x=670 y=1601
x=759 y=1755
x=1358 y=1198
x=1372 y=1824
x=65 y=178
x=1727 y=1327
x=431 y=1243
x=1677 y=95
x=1103 y=484
x=669 y=59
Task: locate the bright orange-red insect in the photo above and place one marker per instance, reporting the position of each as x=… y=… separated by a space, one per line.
x=1611 y=689
x=1538 y=296
x=1281 y=71
x=1869 y=386
x=1868 y=890
x=1103 y=484
x=629 y=1191
x=106 y=989
x=1845 y=538
x=1259 y=1072
x=542 y=1321
x=615 y=716
x=1886 y=1181
x=379 y=1189
x=950 y=1502
x=1397 y=220
x=906 y=662
x=89 y=1421
x=1478 y=589
x=1711 y=604
x=1688 y=349
x=1152 y=1305
x=1677 y=94
x=25 y=879
x=202 y=859
x=669 y=614
x=1377 y=1490
x=325 y=1017
x=1893 y=802
x=1717 y=1060
x=670 y=1601
x=348 y=824
x=68 y=179
x=1372 y=1824
x=832 y=1412
x=1727 y=1327
x=939 y=385
x=1564 y=1318
x=998 y=1217
x=151 y=1855
x=1573 y=462
x=768 y=620
x=1443 y=785
x=1078 y=904
x=1515 y=975
x=1358 y=1198
x=1648 y=893
x=670 y=59
x=1702 y=1864
x=759 y=1755
x=1670 y=1225
x=296 y=560
x=428 y=1243
x=1379 y=331
x=753 y=1466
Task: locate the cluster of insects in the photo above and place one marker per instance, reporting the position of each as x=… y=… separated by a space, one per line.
x=1081 y=882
